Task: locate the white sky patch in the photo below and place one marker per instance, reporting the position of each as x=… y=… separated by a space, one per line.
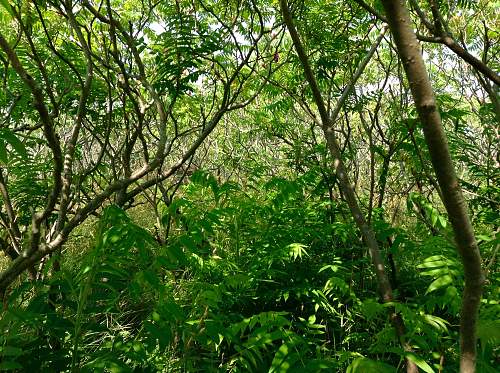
x=157 y=28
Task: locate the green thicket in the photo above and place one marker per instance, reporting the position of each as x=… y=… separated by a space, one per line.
x=271 y=276
x=170 y=204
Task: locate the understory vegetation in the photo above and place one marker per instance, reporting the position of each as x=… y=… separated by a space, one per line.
x=248 y=186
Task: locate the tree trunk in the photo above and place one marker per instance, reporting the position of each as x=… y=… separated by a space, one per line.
x=410 y=54
x=344 y=182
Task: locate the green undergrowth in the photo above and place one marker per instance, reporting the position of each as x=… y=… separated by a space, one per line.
x=265 y=279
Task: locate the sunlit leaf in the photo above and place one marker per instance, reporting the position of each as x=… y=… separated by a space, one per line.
x=439 y=283
x=419 y=362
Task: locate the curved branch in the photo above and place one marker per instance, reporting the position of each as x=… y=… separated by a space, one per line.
x=50 y=136
x=343 y=178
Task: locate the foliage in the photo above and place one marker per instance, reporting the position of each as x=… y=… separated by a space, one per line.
x=176 y=209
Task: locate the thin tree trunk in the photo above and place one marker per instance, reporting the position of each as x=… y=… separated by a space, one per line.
x=410 y=54
x=369 y=133
x=344 y=182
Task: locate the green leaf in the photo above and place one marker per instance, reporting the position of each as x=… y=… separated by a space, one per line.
x=279 y=363
x=484 y=237
x=10 y=351
x=5 y=4
x=188 y=242
x=3 y=153
x=173 y=311
x=436 y=322
x=152 y=278
x=16 y=144
x=365 y=365
x=434 y=217
x=440 y=271
x=297 y=251
x=370 y=308
x=442 y=221
x=419 y=361
x=488 y=331
x=10 y=365
x=439 y=283
x=317 y=365
x=336 y=283
x=436 y=261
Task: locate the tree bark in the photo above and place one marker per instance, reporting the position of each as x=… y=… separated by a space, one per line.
x=344 y=182
x=410 y=54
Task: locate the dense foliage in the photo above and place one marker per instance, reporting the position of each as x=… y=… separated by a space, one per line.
x=169 y=202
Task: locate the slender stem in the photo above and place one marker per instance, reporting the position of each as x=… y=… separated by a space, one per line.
x=344 y=182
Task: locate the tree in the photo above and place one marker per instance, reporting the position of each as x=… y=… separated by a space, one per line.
x=118 y=104
x=206 y=185
x=327 y=122
x=409 y=51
